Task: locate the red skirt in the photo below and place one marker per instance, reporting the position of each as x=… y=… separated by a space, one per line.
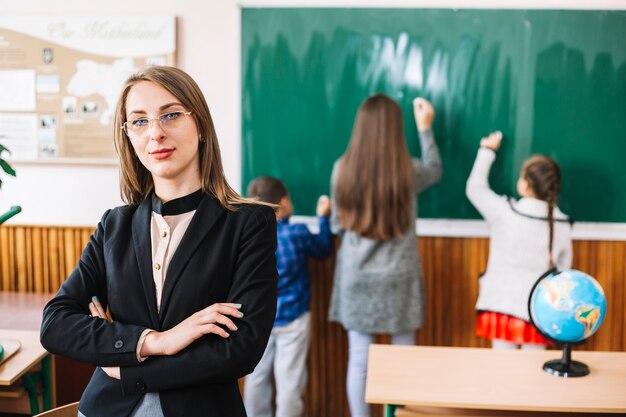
x=500 y=326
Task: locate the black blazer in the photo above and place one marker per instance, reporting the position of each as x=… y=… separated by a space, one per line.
x=224 y=256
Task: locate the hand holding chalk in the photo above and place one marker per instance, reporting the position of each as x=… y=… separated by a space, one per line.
x=323 y=206
x=492 y=141
x=424 y=113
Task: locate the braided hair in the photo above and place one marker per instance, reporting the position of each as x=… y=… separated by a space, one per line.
x=544 y=179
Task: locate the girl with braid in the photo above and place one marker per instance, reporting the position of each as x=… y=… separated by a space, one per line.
x=527 y=237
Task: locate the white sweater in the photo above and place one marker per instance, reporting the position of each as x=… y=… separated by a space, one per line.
x=518 y=247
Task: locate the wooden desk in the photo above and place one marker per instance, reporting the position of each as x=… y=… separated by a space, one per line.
x=30 y=363
x=20 y=318
x=484 y=379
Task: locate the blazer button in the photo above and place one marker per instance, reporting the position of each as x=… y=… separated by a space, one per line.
x=118 y=344
x=141 y=386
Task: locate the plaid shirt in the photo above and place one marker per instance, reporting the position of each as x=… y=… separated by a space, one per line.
x=295 y=245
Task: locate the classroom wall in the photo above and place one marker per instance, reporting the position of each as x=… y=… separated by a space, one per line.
x=208 y=47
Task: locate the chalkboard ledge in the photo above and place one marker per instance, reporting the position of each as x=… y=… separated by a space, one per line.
x=478 y=228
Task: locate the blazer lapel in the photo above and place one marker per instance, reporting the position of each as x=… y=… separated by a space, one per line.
x=142 y=242
x=205 y=217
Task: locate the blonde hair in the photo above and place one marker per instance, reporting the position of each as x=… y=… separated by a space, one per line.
x=136 y=182
x=373 y=194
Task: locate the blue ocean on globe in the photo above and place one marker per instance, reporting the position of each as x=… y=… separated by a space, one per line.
x=568 y=306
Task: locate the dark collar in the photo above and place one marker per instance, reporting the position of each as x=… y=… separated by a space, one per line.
x=543 y=218
x=177 y=206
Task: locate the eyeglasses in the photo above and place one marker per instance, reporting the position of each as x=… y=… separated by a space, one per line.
x=168 y=121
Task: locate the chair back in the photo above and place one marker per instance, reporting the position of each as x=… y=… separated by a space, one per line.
x=69 y=410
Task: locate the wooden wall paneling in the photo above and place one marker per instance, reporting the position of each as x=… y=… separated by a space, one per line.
x=31 y=259
x=312 y=390
x=604 y=276
x=619 y=298
x=437 y=296
x=427 y=331
x=20 y=259
x=67 y=263
x=37 y=260
x=468 y=283
x=45 y=263
x=69 y=260
x=430 y=266
x=317 y=360
x=54 y=252
x=5 y=272
x=12 y=262
x=336 y=354
x=616 y=290
x=611 y=276
x=586 y=261
x=484 y=251
x=585 y=258
x=76 y=245
x=455 y=320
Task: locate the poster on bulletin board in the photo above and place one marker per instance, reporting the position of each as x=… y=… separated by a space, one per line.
x=60 y=78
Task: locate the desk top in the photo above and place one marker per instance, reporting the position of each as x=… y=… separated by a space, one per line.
x=30 y=353
x=493 y=379
x=22 y=311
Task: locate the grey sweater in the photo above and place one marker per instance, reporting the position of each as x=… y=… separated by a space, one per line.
x=378 y=285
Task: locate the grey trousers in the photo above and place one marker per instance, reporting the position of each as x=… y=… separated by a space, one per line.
x=149 y=406
x=359 y=344
x=284 y=359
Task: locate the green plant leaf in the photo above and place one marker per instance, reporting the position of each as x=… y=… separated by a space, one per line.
x=2 y=149
x=6 y=167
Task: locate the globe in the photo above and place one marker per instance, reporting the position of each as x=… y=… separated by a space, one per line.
x=567 y=307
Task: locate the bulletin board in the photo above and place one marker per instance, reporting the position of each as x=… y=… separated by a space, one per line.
x=60 y=78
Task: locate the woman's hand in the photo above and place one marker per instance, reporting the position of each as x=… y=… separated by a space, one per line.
x=96 y=310
x=201 y=323
x=492 y=141
x=424 y=114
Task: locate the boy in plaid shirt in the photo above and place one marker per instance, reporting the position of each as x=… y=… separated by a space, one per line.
x=287 y=350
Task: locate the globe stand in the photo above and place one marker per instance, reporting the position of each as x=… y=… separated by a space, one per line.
x=566 y=367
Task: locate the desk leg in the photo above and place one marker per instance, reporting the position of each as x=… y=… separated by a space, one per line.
x=46 y=382
x=390 y=409
x=30 y=384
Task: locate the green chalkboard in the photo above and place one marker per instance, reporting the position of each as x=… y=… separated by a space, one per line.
x=554 y=82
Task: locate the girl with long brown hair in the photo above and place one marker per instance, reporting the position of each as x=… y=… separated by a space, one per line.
x=378 y=283
x=527 y=237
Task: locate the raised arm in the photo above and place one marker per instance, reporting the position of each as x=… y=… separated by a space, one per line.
x=321 y=245
x=212 y=358
x=68 y=329
x=428 y=170
x=487 y=202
